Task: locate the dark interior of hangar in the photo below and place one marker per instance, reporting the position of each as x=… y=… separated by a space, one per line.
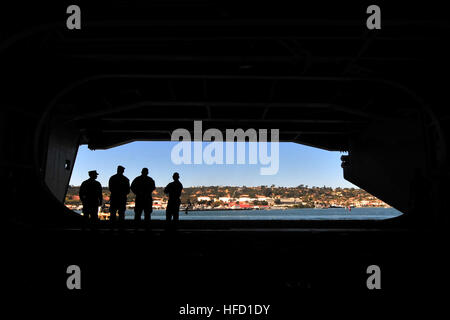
x=137 y=71
x=327 y=83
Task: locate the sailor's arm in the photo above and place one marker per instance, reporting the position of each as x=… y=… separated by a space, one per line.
x=82 y=192
x=100 y=194
x=127 y=187
x=153 y=187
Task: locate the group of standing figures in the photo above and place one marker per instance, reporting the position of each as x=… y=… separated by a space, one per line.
x=119 y=186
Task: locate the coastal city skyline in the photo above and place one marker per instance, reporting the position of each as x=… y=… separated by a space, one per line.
x=299 y=164
x=247 y=198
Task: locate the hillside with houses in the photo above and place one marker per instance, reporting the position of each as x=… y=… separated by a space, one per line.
x=261 y=197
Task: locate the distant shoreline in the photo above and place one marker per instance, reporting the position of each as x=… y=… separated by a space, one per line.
x=225 y=197
x=254 y=209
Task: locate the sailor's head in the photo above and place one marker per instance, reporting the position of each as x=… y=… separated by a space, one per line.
x=93 y=174
x=176 y=176
x=144 y=171
x=120 y=169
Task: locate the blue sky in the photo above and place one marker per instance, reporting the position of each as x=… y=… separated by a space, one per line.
x=298 y=164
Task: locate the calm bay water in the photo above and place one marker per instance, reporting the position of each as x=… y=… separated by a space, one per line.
x=288 y=214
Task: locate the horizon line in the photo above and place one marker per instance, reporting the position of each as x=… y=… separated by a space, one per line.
x=304 y=186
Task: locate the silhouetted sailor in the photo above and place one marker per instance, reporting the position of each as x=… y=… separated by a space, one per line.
x=119 y=186
x=143 y=187
x=174 y=190
x=91 y=196
x=188 y=205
